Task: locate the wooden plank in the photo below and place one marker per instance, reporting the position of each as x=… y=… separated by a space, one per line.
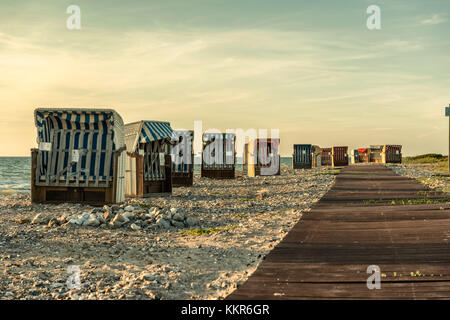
x=97 y=160
x=326 y=255
x=69 y=159
x=88 y=157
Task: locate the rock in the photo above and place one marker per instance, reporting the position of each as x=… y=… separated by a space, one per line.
x=53 y=223
x=177 y=224
x=190 y=222
x=101 y=219
x=135 y=227
x=62 y=220
x=163 y=223
x=263 y=193
x=107 y=215
x=40 y=219
x=178 y=216
x=78 y=222
x=173 y=210
x=150 y=216
x=91 y=222
x=120 y=218
x=128 y=215
x=129 y=208
x=25 y=220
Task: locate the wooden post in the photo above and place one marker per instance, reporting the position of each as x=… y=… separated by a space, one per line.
x=139 y=175
x=34 y=155
x=167 y=186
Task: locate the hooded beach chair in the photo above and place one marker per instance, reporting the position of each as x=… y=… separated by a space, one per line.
x=218 y=155
x=149 y=164
x=183 y=158
x=81 y=156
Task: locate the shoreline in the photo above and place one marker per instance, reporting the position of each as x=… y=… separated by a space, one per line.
x=218 y=233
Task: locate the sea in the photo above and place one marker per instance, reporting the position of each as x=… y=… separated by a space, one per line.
x=15 y=173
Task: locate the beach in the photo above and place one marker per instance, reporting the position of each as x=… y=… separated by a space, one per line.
x=200 y=242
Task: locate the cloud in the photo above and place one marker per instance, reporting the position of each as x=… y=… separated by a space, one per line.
x=435 y=19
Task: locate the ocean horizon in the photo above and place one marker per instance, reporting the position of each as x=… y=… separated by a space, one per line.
x=15 y=172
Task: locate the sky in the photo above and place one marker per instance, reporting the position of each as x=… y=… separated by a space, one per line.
x=311 y=69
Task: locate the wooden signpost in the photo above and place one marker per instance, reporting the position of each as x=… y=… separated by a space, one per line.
x=447 y=114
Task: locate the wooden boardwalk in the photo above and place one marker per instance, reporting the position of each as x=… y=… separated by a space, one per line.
x=355 y=225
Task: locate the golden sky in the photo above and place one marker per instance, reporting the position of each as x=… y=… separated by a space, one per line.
x=313 y=71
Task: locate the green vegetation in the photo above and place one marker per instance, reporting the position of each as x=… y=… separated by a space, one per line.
x=358 y=172
x=331 y=172
x=408 y=201
x=247 y=215
x=438 y=161
x=425 y=158
x=145 y=204
x=205 y=232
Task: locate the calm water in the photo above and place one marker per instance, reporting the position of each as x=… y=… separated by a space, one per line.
x=15 y=173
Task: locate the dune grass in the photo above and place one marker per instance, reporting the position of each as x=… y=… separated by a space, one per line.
x=426 y=158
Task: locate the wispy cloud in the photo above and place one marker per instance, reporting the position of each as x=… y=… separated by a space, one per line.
x=435 y=19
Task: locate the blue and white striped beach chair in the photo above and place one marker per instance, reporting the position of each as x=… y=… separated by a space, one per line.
x=81 y=156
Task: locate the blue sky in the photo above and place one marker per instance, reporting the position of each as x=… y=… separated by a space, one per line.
x=309 y=68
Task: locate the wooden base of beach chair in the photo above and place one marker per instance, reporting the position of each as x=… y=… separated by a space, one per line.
x=85 y=195
x=152 y=187
x=254 y=171
x=182 y=179
x=218 y=174
x=302 y=165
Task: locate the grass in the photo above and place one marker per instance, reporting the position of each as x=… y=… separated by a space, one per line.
x=204 y=232
x=426 y=158
x=408 y=201
x=145 y=205
x=247 y=215
x=438 y=161
x=331 y=172
x=358 y=172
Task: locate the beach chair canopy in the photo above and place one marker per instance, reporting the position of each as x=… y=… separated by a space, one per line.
x=77 y=143
x=146 y=131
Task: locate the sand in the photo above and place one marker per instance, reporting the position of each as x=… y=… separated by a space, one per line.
x=214 y=236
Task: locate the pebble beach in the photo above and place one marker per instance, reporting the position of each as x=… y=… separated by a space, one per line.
x=200 y=242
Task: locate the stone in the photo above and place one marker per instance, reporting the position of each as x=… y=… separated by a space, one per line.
x=62 y=220
x=129 y=208
x=78 y=222
x=177 y=224
x=128 y=215
x=25 y=220
x=135 y=227
x=173 y=210
x=107 y=215
x=190 y=222
x=178 y=216
x=163 y=223
x=263 y=193
x=53 y=223
x=40 y=219
x=91 y=222
x=150 y=216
